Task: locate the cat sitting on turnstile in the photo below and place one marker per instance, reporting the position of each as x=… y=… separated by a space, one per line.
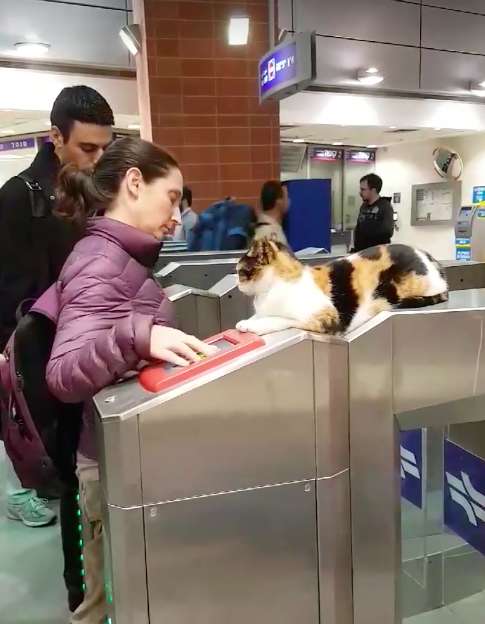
x=339 y=296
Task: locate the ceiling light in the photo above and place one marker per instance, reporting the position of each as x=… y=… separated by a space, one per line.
x=370 y=76
x=392 y=127
x=131 y=36
x=337 y=143
x=134 y=126
x=371 y=146
x=238 y=30
x=31 y=49
x=6 y=131
x=477 y=88
x=298 y=140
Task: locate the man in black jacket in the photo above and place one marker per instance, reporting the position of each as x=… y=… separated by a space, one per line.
x=34 y=244
x=375 y=224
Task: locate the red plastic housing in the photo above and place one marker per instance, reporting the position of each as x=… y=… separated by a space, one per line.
x=161 y=377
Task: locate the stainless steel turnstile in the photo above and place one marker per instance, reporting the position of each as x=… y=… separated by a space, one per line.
x=228 y=498
x=206 y=312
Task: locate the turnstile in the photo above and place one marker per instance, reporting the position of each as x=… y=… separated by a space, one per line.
x=228 y=496
x=203 y=274
x=206 y=312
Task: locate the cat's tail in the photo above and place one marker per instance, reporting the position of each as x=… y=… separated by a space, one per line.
x=422 y=302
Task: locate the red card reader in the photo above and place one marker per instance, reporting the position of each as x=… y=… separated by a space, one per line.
x=231 y=344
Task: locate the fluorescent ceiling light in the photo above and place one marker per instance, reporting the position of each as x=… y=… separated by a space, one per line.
x=478 y=88
x=6 y=131
x=371 y=146
x=370 y=76
x=337 y=143
x=298 y=140
x=134 y=126
x=32 y=49
x=131 y=36
x=238 y=30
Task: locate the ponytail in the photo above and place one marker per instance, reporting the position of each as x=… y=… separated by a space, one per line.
x=76 y=195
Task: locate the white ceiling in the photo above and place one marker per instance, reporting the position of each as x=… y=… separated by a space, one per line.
x=364 y=136
x=76 y=31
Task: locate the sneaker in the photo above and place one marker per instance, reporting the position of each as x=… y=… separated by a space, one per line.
x=31 y=510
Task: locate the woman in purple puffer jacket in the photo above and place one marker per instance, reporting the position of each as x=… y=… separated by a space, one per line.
x=113 y=315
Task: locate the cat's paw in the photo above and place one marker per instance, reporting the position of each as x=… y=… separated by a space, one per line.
x=264 y=325
x=243 y=326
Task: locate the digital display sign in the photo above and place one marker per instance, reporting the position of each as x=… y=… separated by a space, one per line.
x=287 y=68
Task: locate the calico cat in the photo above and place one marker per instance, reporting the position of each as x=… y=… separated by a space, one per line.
x=339 y=296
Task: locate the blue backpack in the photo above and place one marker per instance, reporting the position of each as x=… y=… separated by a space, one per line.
x=226 y=225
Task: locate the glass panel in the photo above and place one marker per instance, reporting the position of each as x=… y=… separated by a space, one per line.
x=443 y=532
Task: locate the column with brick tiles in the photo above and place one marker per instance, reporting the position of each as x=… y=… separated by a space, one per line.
x=203 y=96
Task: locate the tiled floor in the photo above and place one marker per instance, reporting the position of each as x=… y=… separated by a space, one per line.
x=468 y=611
x=31 y=586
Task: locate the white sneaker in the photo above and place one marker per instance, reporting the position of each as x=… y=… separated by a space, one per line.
x=30 y=510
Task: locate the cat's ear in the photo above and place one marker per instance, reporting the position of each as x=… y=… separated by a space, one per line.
x=273 y=245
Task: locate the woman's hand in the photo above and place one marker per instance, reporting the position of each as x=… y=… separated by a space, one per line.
x=172 y=345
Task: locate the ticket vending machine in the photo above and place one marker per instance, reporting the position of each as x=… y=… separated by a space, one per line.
x=470 y=233
x=222 y=502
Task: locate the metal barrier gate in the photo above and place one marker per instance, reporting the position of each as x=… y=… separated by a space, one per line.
x=280 y=485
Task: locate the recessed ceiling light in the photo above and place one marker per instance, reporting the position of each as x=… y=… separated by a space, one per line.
x=238 y=30
x=392 y=127
x=337 y=143
x=6 y=131
x=478 y=88
x=298 y=140
x=134 y=126
x=371 y=146
x=370 y=76
x=32 y=49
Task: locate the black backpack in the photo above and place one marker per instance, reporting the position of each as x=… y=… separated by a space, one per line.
x=40 y=433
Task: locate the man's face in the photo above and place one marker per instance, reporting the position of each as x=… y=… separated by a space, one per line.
x=84 y=146
x=365 y=192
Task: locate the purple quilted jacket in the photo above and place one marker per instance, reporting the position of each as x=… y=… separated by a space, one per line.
x=108 y=304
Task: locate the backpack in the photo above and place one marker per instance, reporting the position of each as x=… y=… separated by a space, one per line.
x=225 y=225
x=39 y=432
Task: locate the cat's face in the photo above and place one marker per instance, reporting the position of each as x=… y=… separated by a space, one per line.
x=264 y=262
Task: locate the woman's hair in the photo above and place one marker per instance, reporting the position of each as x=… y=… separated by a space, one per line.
x=81 y=194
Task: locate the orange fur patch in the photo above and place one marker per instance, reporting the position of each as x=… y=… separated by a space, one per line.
x=365 y=277
x=321 y=275
x=411 y=285
x=325 y=322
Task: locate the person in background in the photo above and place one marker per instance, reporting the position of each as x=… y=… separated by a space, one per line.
x=375 y=224
x=188 y=216
x=113 y=315
x=274 y=206
x=32 y=252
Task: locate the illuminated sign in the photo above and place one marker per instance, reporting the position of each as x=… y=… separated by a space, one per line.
x=360 y=156
x=327 y=154
x=6 y=146
x=287 y=68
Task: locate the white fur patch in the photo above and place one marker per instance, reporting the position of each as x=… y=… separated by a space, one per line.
x=436 y=284
x=297 y=299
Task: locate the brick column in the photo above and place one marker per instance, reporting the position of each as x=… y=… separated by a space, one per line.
x=203 y=96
